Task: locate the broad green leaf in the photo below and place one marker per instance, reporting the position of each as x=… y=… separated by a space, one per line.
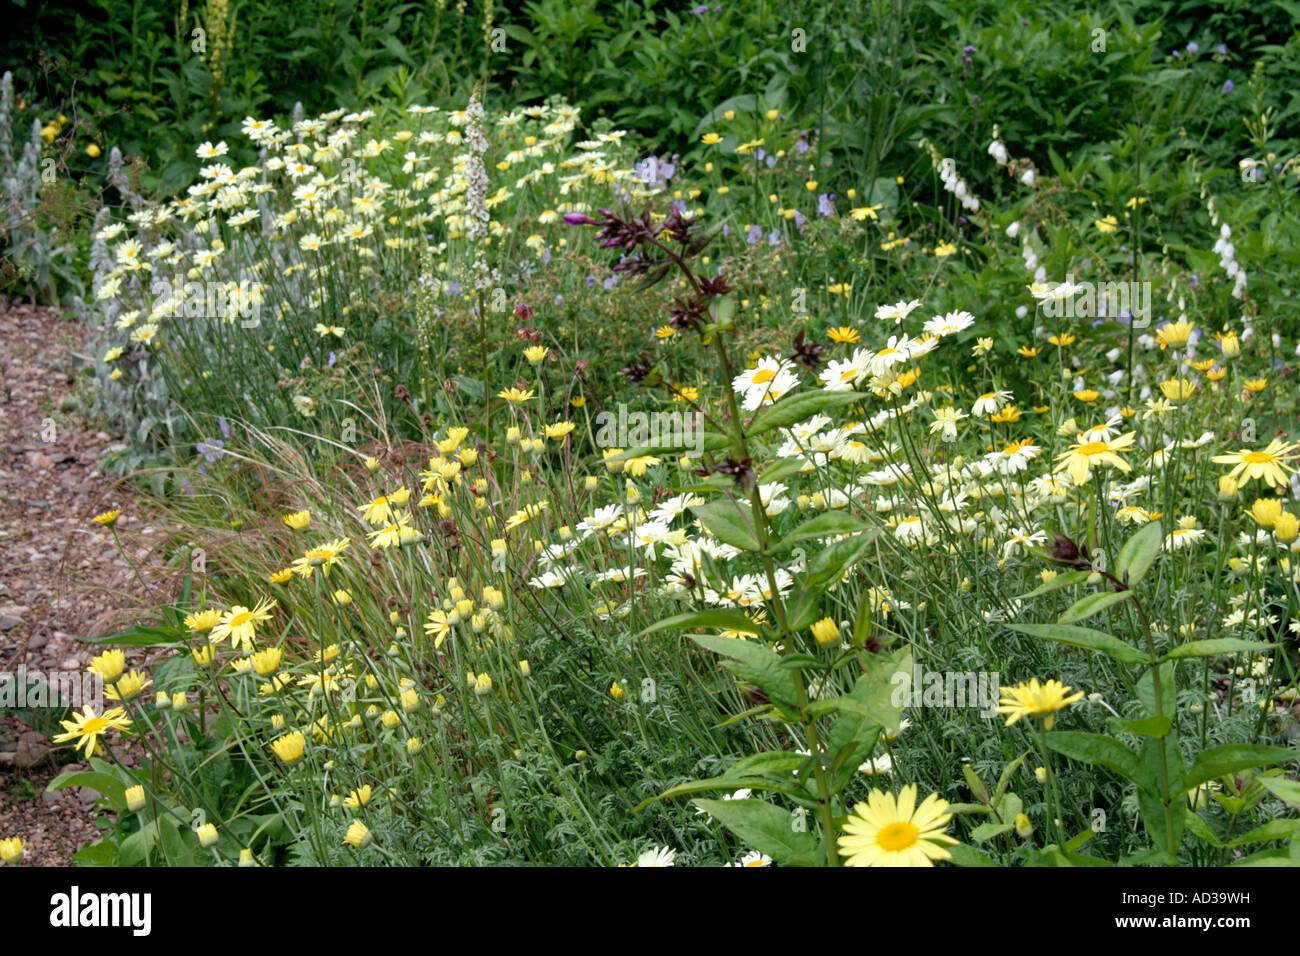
x=963 y=855
x=728 y=523
x=1214 y=647
x=977 y=787
x=100 y=853
x=760 y=665
x=1268 y=858
x=1215 y=762
x=1273 y=830
x=1147 y=726
x=800 y=662
x=1084 y=637
x=987 y=831
x=1102 y=751
x=1152 y=856
x=1058 y=582
x=822 y=526
x=768 y=761
x=1005 y=779
x=1086 y=607
x=1146 y=693
x=139 y=637
x=782 y=468
x=801 y=607
x=1079 y=839
x=724 y=619
x=107 y=784
x=798 y=408
x=1139 y=553
x=1285 y=790
x=828 y=564
x=766 y=828
x=1199 y=828
x=791 y=788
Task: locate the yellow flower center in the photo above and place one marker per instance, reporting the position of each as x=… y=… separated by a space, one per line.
x=94 y=725
x=240 y=619
x=897 y=836
x=1093 y=448
x=763 y=375
x=1257 y=458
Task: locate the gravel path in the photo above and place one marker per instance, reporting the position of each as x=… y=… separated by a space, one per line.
x=61 y=577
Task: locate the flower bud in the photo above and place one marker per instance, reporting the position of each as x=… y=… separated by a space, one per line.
x=134 y=797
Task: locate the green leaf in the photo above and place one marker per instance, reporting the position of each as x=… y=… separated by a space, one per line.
x=782 y=468
x=1058 y=582
x=768 y=761
x=1268 y=858
x=767 y=828
x=759 y=665
x=800 y=662
x=722 y=618
x=987 y=831
x=1079 y=839
x=1005 y=779
x=963 y=855
x=1147 y=726
x=822 y=526
x=100 y=853
x=828 y=564
x=1212 y=648
x=789 y=788
x=1139 y=553
x=106 y=783
x=139 y=637
x=728 y=523
x=1086 y=607
x=976 y=785
x=1273 y=830
x=801 y=607
x=1215 y=762
x=1199 y=828
x=1285 y=790
x=798 y=408
x=1084 y=637
x=1102 y=751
